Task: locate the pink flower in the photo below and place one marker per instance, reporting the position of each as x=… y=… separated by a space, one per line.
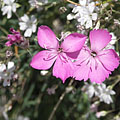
x=96 y=63
x=15 y=38
x=60 y=54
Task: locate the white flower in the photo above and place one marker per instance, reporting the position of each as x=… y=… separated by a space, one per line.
x=8 y=8
x=105 y=94
x=84 y=13
x=100 y=91
x=28 y=25
x=7 y=72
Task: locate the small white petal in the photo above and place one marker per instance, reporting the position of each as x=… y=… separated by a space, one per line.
x=2 y=67
x=4 y=10
x=14 y=7
x=33 y=19
x=112 y=92
x=91 y=7
x=28 y=32
x=97 y=25
x=70 y=16
x=23 y=26
x=7 y=1
x=25 y=18
x=88 y=24
x=9 y=14
x=83 y=2
x=76 y=9
x=44 y=72
x=82 y=20
x=10 y=65
x=94 y=16
x=12 y=1
x=34 y=28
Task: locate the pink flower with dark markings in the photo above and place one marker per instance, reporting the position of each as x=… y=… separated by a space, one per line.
x=60 y=54
x=96 y=63
x=13 y=38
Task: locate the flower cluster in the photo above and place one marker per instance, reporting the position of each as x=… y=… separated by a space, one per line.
x=28 y=25
x=95 y=63
x=84 y=13
x=7 y=73
x=8 y=8
x=17 y=39
x=99 y=90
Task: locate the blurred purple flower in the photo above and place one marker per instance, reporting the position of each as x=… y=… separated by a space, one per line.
x=17 y=39
x=13 y=38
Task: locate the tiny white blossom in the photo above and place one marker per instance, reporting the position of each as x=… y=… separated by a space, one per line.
x=100 y=91
x=84 y=13
x=7 y=72
x=28 y=25
x=105 y=94
x=8 y=8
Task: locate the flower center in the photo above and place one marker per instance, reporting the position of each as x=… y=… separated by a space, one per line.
x=93 y=53
x=60 y=50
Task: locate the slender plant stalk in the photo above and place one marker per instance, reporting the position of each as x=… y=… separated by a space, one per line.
x=16 y=51
x=72 y=2
x=59 y=101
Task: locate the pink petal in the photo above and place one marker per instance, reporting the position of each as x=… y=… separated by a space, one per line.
x=62 y=70
x=9 y=43
x=82 y=64
x=98 y=73
x=84 y=54
x=109 y=59
x=73 y=42
x=73 y=55
x=82 y=72
x=43 y=60
x=46 y=38
x=99 y=39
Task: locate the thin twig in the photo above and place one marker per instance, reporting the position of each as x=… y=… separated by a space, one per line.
x=59 y=101
x=73 y=2
x=29 y=52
